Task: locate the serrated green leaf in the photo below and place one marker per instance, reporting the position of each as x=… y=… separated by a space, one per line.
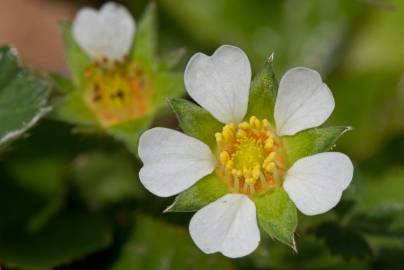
x=66 y=237
x=207 y=190
x=263 y=93
x=102 y=182
x=23 y=97
x=196 y=121
x=130 y=131
x=154 y=245
x=76 y=58
x=144 y=49
x=277 y=215
x=311 y=141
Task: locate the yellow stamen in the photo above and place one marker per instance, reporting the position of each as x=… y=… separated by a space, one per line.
x=250 y=155
x=117 y=91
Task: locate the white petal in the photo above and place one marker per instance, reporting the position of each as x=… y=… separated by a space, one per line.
x=315 y=183
x=228 y=225
x=172 y=161
x=303 y=101
x=220 y=83
x=108 y=32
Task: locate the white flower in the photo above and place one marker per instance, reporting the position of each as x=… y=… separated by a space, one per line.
x=174 y=162
x=108 y=32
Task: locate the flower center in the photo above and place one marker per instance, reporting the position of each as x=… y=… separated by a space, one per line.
x=251 y=159
x=117 y=92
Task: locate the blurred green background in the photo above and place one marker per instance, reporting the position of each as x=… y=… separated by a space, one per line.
x=72 y=201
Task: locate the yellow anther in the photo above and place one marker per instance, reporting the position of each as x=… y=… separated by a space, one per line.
x=237 y=172
x=244 y=125
x=228 y=132
x=241 y=133
x=250 y=181
x=269 y=144
x=256 y=172
x=229 y=164
x=265 y=123
x=246 y=173
x=271 y=156
x=224 y=157
x=219 y=137
x=254 y=122
x=270 y=167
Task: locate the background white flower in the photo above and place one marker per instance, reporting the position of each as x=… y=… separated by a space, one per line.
x=220 y=83
x=108 y=32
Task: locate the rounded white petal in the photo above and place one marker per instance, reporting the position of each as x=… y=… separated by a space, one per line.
x=172 y=161
x=228 y=225
x=108 y=32
x=315 y=183
x=220 y=83
x=303 y=101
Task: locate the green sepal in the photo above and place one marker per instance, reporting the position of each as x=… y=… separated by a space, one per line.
x=62 y=84
x=263 y=93
x=171 y=58
x=23 y=97
x=196 y=121
x=76 y=58
x=72 y=109
x=207 y=190
x=70 y=106
x=144 y=48
x=129 y=132
x=167 y=85
x=277 y=215
x=311 y=141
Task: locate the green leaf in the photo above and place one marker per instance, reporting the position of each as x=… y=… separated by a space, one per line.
x=382 y=190
x=263 y=93
x=23 y=97
x=208 y=189
x=130 y=131
x=144 y=49
x=67 y=237
x=76 y=58
x=344 y=241
x=196 y=121
x=154 y=245
x=44 y=177
x=313 y=254
x=277 y=215
x=311 y=141
x=103 y=182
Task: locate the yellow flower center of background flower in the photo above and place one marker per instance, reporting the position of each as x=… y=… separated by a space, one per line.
x=117 y=92
x=251 y=159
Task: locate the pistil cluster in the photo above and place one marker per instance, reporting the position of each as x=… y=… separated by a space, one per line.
x=117 y=91
x=250 y=156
